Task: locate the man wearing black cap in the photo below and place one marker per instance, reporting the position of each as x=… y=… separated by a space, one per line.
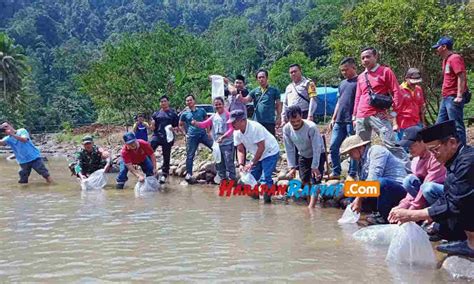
x=425 y=185
x=91 y=158
x=455 y=209
x=135 y=152
x=454 y=91
x=254 y=137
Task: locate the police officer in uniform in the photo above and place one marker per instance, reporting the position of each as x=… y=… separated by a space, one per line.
x=91 y=158
x=302 y=92
x=454 y=211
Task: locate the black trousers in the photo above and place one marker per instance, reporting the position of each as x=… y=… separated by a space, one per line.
x=166 y=149
x=305 y=169
x=270 y=127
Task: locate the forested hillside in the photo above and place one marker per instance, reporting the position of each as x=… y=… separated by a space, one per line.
x=71 y=62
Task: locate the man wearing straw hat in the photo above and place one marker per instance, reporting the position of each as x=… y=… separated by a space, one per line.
x=376 y=163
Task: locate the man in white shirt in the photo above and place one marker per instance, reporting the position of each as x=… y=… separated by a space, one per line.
x=251 y=136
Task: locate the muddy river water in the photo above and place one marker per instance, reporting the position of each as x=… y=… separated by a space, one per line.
x=57 y=233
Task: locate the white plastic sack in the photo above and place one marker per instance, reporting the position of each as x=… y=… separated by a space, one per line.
x=96 y=181
x=169 y=133
x=411 y=246
x=247 y=178
x=217 y=86
x=349 y=216
x=149 y=185
x=377 y=234
x=216 y=152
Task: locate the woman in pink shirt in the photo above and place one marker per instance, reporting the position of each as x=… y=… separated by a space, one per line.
x=222 y=133
x=425 y=185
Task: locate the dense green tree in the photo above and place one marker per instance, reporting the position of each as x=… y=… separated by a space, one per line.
x=13 y=69
x=132 y=74
x=235 y=46
x=403 y=31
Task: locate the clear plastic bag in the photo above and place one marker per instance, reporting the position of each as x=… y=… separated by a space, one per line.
x=216 y=152
x=247 y=178
x=411 y=246
x=349 y=216
x=377 y=234
x=459 y=267
x=169 y=133
x=217 y=86
x=96 y=181
x=150 y=184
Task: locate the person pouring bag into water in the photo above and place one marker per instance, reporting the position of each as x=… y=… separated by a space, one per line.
x=222 y=133
x=91 y=158
x=251 y=136
x=135 y=152
x=376 y=163
x=425 y=185
x=454 y=210
x=266 y=100
x=377 y=86
x=26 y=154
x=303 y=135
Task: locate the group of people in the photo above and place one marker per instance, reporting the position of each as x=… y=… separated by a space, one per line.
x=436 y=185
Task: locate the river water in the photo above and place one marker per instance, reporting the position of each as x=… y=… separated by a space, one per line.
x=57 y=233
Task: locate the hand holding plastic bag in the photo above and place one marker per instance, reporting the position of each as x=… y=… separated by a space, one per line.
x=349 y=216
x=216 y=152
x=169 y=133
x=150 y=184
x=247 y=178
x=377 y=234
x=217 y=86
x=96 y=181
x=411 y=246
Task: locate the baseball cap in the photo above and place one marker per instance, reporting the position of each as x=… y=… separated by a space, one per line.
x=413 y=75
x=87 y=139
x=129 y=138
x=410 y=136
x=444 y=41
x=237 y=114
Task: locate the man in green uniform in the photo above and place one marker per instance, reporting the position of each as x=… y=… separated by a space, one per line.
x=91 y=158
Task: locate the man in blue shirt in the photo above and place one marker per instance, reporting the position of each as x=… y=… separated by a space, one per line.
x=376 y=163
x=194 y=134
x=27 y=155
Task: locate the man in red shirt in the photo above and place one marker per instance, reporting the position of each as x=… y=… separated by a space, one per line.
x=135 y=152
x=454 y=90
x=381 y=80
x=412 y=105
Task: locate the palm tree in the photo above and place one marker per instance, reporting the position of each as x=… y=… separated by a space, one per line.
x=13 y=67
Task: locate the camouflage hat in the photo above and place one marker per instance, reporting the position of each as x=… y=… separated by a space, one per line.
x=87 y=139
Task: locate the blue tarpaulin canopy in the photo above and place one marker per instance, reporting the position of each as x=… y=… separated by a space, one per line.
x=327 y=99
